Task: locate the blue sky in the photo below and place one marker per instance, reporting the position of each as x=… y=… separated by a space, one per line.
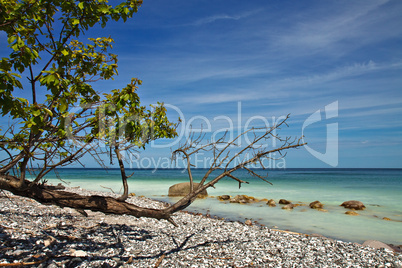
x=268 y=59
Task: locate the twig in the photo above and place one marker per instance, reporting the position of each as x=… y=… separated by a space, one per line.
x=108 y=188
x=22 y=263
x=6 y=227
x=159 y=261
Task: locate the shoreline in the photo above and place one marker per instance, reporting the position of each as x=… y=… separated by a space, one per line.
x=330 y=188
x=59 y=237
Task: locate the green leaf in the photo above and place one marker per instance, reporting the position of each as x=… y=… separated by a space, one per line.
x=11 y=39
x=48 y=111
x=75 y=21
x=62 y=106
x=64 y=52
x=104 y=9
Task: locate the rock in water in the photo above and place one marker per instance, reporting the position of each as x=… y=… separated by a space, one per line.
x=271 y=203
x=353 y=204
x=285 y=202
x=352 y=213
x=243 y=199
x=182 y=189
x=316 y=205
x=288 y=206
x=224 y=197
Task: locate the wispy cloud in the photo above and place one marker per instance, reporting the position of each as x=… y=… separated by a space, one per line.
x=339 y=31
x=285 y=87
x=214 y=18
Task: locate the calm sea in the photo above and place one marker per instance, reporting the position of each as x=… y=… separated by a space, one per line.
x=379 y=189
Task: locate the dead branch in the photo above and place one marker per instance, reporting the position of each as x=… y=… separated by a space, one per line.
x=257 y=148
x=227 y=158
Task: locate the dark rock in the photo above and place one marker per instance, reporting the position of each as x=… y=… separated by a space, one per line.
x=316 y=205
x=353 y=204
x=223 y=197
x=284 y=202
x=182 y=189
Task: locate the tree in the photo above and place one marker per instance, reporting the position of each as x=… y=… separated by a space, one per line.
x=65 y=117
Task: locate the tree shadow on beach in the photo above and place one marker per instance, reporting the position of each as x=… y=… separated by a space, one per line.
x=53 y=236
x=102 y=243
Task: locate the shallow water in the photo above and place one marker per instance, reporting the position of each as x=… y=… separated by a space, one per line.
x=379 y=189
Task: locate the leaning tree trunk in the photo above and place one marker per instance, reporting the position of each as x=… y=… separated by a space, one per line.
x=59 y=198
x=221 y=161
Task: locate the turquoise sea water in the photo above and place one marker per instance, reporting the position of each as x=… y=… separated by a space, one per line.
x=379 y=189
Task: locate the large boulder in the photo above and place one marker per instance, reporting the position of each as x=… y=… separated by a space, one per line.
x=182 y=189
x=353 y=204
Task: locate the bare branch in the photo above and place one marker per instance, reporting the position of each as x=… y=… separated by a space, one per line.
x=258 y=150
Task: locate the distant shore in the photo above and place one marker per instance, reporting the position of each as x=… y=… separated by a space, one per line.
x=32 y=233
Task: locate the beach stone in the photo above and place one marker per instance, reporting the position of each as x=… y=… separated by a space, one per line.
x=377 y=245
x=316 y=205
x=248 y=222
x=352 y=213
x=288 y=206
x=48 y=242
x=284 y=202
x=223 y=197
x=252 y=198
x=386 y=219
x=79 y=253
x=353 y=204
x=271 y=203
x=182 y=189
x=243 y=199
x=126 y=241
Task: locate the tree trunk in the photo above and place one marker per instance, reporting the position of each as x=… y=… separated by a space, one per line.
x=108 y=205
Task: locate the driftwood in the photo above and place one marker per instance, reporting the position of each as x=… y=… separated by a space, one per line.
x=226 y=160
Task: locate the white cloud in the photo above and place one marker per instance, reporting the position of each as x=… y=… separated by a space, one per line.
x=343 y=29
x=214 y=18
x=281 y=88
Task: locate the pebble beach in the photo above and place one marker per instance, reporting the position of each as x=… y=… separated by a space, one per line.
x=37 y=235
